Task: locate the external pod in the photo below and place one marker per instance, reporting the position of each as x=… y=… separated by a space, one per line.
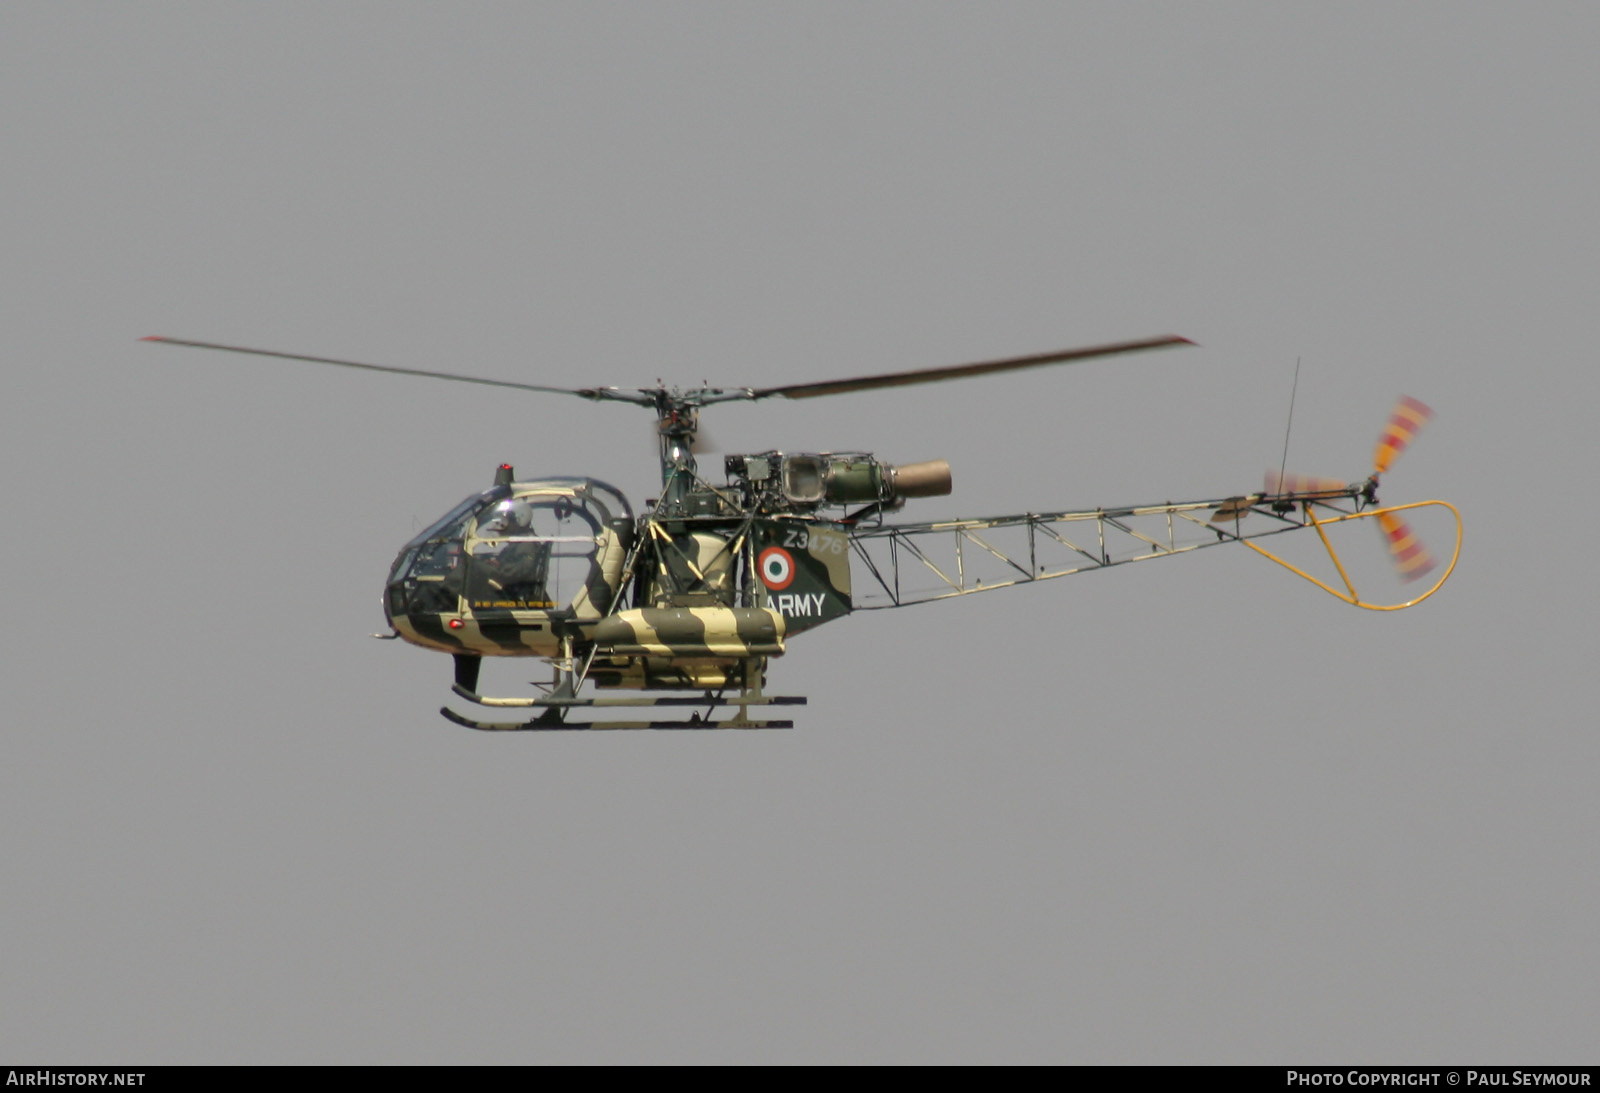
x=691 y=632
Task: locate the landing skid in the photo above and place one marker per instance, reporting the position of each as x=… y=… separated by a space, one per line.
x=554 y=710
x=545 y=723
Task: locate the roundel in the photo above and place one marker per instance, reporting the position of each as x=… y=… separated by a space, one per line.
x=777 y=568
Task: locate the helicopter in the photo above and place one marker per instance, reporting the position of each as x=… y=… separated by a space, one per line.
x=685 y=603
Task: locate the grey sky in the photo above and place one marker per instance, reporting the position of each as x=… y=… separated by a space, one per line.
x=1188 y=812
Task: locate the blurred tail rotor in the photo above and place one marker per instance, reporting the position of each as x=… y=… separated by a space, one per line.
x=1411 y=558
x=1305 y=485
x=1406 y=420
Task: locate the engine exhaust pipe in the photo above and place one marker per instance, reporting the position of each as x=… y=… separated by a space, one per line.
x=930 y=479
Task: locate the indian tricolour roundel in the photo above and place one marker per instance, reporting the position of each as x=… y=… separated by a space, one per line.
x=777 y=568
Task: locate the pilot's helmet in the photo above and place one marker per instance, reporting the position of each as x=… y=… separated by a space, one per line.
x=509 y=517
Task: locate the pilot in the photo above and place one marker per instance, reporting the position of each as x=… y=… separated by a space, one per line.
x=514 y=571
x=509 y=517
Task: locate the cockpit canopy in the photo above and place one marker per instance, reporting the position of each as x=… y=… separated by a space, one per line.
x=555 y=545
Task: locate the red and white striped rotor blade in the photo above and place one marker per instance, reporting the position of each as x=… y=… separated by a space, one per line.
x=1405 y=422
x=1411 y=558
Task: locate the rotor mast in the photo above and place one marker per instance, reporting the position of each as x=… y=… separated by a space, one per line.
x=677 y=422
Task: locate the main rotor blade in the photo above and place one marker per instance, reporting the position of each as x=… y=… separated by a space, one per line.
x=591 y=393
x=960 y=371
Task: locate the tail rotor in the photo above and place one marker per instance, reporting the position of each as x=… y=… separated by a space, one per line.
x=1405 y=422
x=1411 y=558
x=1407 y=419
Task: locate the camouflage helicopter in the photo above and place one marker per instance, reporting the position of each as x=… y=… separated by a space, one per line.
x=684 y=604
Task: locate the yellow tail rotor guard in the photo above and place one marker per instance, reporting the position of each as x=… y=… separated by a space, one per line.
x=1350 y=595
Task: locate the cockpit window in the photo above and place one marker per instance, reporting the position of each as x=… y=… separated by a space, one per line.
x=534 y=546
x=533 y=552
x=452 y=523
x=428 y=576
